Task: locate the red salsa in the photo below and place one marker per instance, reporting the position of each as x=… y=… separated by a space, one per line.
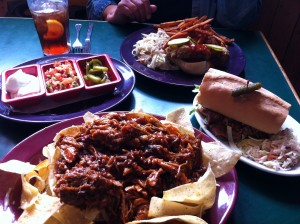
x=61 y=76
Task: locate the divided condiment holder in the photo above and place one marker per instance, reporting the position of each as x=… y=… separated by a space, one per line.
x=45 y=100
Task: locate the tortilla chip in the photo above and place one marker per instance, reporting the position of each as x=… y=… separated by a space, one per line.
x=16 y=166
x=39 y=174
x=180 y=118
x=160 y=207
x=89 y=117
x=53 y=155
x=68 y=214
x=202 y=192
x=168 y=219
x=42 y=169
x=52 y=220
x=49 y=151
x=70 y=131
x=41 y=210
x=221 y=159
x=29 y=194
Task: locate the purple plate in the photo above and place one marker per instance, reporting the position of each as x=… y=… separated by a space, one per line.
x=30 y=150
x=237 y=62
x=123 y=89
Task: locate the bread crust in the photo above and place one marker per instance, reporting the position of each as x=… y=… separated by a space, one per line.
x=260 y=109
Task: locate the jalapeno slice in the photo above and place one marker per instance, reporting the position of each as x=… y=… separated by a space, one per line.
x=96 y=72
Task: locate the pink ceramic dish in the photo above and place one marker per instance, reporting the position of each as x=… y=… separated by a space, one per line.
x=26 y=100
x=112 y=73
x=30 y=150
x=63 y=94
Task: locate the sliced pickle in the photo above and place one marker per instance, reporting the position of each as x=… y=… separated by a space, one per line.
x=216 y=47
x=179 y=41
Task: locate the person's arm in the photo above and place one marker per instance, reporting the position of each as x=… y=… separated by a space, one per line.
x=129 y=10
x=112 y=15
x=122 y=12
x=96 y=8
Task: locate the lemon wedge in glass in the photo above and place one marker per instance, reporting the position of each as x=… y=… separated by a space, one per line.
x=55 y=29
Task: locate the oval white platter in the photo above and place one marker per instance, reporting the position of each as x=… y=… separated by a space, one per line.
x=289 y=123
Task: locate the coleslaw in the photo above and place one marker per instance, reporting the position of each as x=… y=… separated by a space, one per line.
x=280 y=152
x=149 y=51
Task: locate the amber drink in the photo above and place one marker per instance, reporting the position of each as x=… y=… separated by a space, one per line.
x=51 y=19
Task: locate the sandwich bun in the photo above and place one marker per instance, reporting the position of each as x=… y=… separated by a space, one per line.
x=193 y=68
x=194 y=58
x=259 y=109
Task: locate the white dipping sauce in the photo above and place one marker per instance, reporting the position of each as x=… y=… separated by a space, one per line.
x=21 y=84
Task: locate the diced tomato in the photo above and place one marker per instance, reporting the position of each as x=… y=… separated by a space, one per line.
x=58 y=76
x=67 y=81
x=61 y=76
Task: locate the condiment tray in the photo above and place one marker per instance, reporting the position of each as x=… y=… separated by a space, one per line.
x=47 y=98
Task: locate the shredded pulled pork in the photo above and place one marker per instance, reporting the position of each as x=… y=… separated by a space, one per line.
x=217 y=124
x=120 y=161
x=280 y=151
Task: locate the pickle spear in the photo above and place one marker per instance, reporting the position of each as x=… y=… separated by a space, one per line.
x=246 y=89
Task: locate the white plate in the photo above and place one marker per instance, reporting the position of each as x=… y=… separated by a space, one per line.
x=289 y=123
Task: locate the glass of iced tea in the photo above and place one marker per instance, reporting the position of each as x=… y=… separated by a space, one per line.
x=51 y=19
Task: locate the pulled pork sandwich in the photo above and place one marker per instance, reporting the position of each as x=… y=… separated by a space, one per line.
x=196 y=58
x=246 y=116
x=228 y=100
x=194 y=46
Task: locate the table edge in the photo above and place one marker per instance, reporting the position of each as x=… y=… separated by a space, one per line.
x=281 y=68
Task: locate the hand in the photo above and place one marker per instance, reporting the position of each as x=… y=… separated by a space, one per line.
x=136 y=10
x=129 y=10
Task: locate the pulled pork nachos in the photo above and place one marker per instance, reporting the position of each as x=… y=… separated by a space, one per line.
x=123 y=167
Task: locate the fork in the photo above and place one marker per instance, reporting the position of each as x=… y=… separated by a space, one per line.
x=77 y=45
x=87 y=41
